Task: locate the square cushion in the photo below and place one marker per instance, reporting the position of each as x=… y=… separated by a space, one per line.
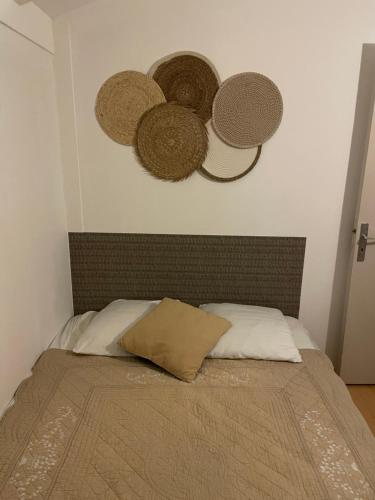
x=175 y=336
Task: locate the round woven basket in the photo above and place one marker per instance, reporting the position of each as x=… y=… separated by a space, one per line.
x=247 y=110
x=171 y=142
x=225 y=163
x=188 y=79
x=121 y=102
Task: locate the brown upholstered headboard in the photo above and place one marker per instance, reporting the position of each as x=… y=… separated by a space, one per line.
x=257 y=270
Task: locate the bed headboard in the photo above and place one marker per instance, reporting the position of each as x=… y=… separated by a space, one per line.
x=265 y=271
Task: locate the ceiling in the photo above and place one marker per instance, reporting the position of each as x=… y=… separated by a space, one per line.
x=55 y=8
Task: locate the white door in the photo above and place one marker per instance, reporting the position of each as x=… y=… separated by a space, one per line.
x=358 y=357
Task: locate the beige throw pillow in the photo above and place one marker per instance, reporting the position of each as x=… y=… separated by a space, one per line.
x=175 y=336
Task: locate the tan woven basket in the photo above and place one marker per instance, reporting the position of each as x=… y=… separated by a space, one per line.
x=188 y=79
x=247 y=110
x=121 y=102
x=171 y=142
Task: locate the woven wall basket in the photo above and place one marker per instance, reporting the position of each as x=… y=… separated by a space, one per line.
x=188 y=79
x=171 y=142
x=121 y=102
x=247 y=110
x=225 y=163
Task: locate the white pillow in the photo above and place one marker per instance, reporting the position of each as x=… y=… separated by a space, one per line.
x=300 y=334
x=73 y=331
x=106 y=328
x=256 y=332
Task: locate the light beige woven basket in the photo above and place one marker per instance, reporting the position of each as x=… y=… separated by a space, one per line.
x=225 y=163
x=121 y=102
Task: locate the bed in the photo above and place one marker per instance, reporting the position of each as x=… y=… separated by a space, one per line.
x=87 y=427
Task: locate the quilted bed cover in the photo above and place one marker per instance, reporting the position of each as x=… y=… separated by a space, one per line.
x=87 y=427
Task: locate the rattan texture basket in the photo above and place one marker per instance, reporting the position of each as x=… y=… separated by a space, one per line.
x=171 y=142
x=121 y=102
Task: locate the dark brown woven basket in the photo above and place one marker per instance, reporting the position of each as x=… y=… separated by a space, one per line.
x=188 y=79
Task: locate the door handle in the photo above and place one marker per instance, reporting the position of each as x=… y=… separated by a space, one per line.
x=369 y=241
x=363 y=241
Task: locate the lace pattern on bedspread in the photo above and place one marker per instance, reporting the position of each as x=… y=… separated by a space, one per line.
x=272 y=424
x=335 y=459
x=31 y=475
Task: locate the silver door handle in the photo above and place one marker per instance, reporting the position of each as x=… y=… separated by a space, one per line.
x=363 y=241
x=369 y=241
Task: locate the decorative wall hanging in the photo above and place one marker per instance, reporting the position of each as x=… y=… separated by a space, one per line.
x=164 y=114
x=171 y=142
x=225 y=163
x=121 y=102
x=187 y=79
x=247 y=110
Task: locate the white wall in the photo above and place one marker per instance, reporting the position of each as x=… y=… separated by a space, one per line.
x=55 y=8
x=35 y=292
x=28 y=20
x=312 y=51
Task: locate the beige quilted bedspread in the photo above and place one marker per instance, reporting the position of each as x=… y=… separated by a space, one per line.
x=101 y=428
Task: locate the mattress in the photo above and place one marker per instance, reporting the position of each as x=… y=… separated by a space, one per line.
x=89 y=427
